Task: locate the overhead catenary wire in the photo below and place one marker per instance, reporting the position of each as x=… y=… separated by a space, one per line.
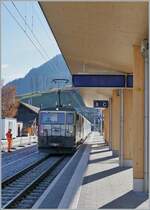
x=26 y=16
x=81 y=107
x=32 y=17
x=46 y=32
x=21 y=27
x=30 y=29
x=30 y=39
x=33 y=33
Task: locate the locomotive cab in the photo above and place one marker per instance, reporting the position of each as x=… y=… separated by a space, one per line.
x=56 y=128
x=61 y=130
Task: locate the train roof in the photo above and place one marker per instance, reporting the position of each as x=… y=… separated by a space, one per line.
x=58 y=109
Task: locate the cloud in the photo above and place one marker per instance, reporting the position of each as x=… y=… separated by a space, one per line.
x=4 y=66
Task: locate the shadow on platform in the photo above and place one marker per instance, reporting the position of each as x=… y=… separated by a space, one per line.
x=102 y=159
x=100 y=151
x=103 y=174
x=99 y=146
x=129 y=200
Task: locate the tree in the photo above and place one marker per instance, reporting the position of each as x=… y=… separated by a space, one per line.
x=10 y=102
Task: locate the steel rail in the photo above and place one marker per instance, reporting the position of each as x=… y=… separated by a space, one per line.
x=30 y=187
x=19 y=159
x=9 y=180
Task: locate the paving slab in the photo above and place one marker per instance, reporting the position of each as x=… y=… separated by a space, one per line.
x=105 y=183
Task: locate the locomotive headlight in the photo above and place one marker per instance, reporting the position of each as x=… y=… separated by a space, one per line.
x=69 y=131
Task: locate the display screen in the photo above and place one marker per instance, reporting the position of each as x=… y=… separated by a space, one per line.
x=52 y=118
x=69 y=118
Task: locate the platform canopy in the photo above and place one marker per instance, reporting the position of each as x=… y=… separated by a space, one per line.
x=97 y=37
x=90 y=94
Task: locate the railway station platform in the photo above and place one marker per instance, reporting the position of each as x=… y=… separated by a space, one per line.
x=93 y=179
x=110 y=72
x=105 y=184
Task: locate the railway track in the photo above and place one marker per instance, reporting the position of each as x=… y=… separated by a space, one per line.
x=23 y=189
x=7 y=158
x=19 y=160
x=13 y=167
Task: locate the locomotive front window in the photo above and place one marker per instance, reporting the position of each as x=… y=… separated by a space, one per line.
x=69 y=118
x=61 y=118
x=52 y=118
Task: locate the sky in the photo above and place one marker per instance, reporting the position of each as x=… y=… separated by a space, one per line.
x=19 y=55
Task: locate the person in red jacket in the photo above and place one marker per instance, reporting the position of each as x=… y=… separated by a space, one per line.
x=9 y=139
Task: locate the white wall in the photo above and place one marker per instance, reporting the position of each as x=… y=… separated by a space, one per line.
x=8 y=123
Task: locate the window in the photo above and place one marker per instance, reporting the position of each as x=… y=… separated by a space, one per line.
x=69 y=118
x=61 y=118
x=52 y=118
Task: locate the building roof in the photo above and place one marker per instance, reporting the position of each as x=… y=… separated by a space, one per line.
x=31 y=107
x=97 y=37
x=69 y=97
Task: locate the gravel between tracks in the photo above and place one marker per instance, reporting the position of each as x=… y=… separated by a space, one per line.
x=12 y=169
x=16 y=186
x=33 y=196
x=10 y=157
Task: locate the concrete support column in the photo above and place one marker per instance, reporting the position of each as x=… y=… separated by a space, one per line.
x=106 y=125
x=116 y=122
x=101 y=128
x=121 y=127
x=138 y=120
x=110 y=123
x=128 y=127
x=145 y=53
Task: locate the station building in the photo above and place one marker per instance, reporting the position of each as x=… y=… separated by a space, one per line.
x=105 y=45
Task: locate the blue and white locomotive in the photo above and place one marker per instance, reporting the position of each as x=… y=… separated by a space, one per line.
x=61 y=129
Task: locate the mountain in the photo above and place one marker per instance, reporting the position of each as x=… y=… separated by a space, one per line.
x=40 y=78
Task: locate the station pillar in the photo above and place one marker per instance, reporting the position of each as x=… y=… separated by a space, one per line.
x=110 y=123
x=106 y=125
x=145 y=54
x=115 y=122
x=138 y=120
x=128 y=127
